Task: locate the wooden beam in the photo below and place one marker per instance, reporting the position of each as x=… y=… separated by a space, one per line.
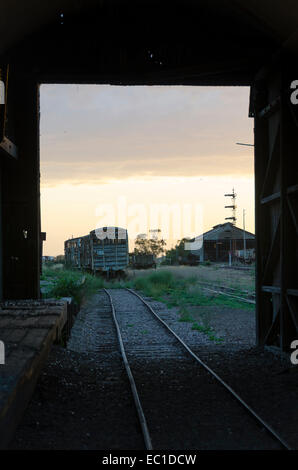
x=21 y=193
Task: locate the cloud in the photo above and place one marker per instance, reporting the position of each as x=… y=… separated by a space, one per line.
x=98 y=133
x=103 y=172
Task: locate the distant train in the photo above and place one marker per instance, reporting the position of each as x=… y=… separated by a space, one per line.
x=104 y=250
x=142 y=261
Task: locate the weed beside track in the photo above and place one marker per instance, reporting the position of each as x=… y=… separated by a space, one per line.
x=185 y=293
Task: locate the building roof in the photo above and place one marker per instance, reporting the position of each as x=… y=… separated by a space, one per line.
x=226 y=231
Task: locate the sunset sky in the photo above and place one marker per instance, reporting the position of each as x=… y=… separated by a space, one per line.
x=113 y=155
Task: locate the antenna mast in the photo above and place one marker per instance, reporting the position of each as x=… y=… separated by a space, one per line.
x=155 y=233
x=232 y=206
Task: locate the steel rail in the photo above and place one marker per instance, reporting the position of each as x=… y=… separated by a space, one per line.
x=225 y=289
x=140 y=412
x=271 y=431
x=242 y=299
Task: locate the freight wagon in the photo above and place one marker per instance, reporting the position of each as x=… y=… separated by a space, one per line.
x=103 y=250
x=72 y=252
x=142 y=261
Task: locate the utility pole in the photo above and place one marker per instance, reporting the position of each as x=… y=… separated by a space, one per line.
x=155 y=232
x=233 y=218
x=232 y=206
x=230 y=253
x=244 y=236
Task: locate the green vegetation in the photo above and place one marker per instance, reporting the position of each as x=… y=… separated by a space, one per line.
x=164 y=285
x=185 y=315
x=178 y=254
x=155 y=285
x=203 y=327
x=183 y=292
x=207 y=330
x=176 y=291
x=68 y=283
x=149 y=246
x=48 y=272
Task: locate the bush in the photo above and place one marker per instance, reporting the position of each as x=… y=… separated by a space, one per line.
x=158 y=285
x=79 y=286
x=163 y=277
x=48 y=272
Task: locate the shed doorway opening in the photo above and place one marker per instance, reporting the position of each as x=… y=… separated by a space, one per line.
x=158 y=161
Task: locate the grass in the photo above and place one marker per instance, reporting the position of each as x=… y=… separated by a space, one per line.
x=68 y=283
x=176 y=291
x=203 y=327
x=214 y=274
x=207 y=330
x=183 y=292
x=186 y=318
x=49 y=273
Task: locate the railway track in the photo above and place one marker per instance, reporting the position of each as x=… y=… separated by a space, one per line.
x=244 y=296
x=214 y=290
x=231 y=290
x=180 y=401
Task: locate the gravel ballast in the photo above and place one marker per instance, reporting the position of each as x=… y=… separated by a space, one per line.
x=83 y=401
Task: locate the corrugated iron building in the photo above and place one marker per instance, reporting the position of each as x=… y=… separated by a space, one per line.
x=222 y=239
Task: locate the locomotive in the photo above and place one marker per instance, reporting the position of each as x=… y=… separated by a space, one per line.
x=104 y=250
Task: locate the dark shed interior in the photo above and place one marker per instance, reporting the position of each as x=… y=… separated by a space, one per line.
x=149 y=42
